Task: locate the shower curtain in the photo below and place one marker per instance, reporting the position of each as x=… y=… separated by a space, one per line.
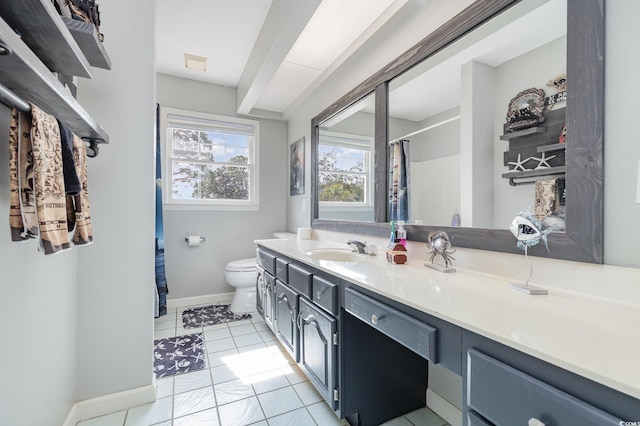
x=399 y=179
x=161 y=280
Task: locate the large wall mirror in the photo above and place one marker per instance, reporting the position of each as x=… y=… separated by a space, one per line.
x=448 y=97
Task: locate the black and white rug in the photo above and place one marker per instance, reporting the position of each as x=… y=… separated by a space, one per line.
x=209 y=315
x=178 y=355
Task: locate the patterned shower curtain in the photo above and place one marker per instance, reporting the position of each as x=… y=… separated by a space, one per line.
x=399 y=179
x=161 y=279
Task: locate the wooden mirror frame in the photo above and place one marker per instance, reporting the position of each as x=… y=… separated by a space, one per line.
x=583 y=239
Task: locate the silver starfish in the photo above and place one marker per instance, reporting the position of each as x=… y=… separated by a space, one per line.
x=519 y=163
x=543 y=164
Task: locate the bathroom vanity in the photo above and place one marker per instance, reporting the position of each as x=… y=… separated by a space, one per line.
x=364 y=331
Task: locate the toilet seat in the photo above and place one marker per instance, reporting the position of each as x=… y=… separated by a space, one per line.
x=242 y=265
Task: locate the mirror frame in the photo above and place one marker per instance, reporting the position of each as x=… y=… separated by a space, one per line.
x=583 y=239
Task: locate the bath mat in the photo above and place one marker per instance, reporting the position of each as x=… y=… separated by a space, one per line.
x=209 y=315
x=178 y=355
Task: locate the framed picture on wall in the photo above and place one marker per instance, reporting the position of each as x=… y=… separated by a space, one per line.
x=296 y=167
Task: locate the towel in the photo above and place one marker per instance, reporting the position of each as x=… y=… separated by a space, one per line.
x=49 y=182
x=22 y=214
x=71 y=180
x=80 y=202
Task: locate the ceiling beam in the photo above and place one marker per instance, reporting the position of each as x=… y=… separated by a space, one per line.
x=284 y=23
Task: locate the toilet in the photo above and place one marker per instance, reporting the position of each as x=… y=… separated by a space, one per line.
x=241 y=274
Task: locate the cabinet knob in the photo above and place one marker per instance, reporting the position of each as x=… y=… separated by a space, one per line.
x=320 y=293
x=535 y=422
x=375 y=318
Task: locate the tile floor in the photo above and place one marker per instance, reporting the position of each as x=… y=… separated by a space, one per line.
x=249 y=380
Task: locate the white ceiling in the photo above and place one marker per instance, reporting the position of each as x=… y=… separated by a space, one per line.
x=270 y=50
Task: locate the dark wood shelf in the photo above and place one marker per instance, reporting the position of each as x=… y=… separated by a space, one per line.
x=42 y=30
x=26 y=76
x=523 y=133
x=86 y=36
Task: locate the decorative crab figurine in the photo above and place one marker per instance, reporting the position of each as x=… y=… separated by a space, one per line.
x=439 y=244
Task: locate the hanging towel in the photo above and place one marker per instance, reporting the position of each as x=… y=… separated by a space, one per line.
x=80 y=202
x=49 y=182
x=22 y=216
x=71 y=180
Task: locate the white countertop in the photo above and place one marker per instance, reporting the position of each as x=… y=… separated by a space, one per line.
x=593 y=337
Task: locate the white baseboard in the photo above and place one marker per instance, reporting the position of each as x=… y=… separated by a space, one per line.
x=444 y=408
x=111 y=403
x=207 y=299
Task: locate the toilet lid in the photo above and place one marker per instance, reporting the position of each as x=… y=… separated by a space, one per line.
x=242 y=265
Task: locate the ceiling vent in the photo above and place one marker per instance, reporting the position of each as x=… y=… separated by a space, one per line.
x=195 y=63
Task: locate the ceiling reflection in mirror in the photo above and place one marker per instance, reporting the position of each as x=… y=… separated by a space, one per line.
x=345 y=163
x=453 y=107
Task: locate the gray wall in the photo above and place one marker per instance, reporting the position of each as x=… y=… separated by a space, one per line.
x=80 y=324
x=116 y=273
x=198 y=271
x=38 y=313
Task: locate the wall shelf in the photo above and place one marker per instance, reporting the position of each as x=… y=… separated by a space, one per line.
x=86 y=36
x=26 y=76
x=41 y=29
x=552 y=147
x=528 y=176
x=523 y=133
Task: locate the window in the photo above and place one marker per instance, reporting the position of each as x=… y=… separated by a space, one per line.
x=344 y=170
x=211 y=160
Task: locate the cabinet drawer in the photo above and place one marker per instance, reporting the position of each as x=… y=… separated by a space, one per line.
x=473 y=419
x=408 y=331
x=282 y=269
x=300 y=279
x=506 y=396
x=325 y=294
x=266 y=260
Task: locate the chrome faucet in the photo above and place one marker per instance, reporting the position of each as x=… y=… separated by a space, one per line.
x=359 y=246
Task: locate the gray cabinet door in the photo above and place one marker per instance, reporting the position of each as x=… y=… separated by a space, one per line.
x=318 y=353
x=286 y=312
x=266 y=296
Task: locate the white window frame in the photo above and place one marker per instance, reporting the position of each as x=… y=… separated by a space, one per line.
x=200 y=120
x=346 y=140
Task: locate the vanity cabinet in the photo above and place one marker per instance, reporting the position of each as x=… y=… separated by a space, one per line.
x=266 y=286
x=286 y=307
x=504 y=387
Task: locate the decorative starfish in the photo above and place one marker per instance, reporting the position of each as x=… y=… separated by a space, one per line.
x=519 y=163
x=543 y=164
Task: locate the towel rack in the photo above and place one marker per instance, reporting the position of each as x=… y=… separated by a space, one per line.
x=25 y=78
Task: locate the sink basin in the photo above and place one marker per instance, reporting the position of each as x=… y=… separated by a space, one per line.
x=334 y=255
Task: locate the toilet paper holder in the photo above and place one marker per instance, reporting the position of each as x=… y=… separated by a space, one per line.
x=202 y=239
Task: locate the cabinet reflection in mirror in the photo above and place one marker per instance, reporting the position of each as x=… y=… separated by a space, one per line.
x=345 y=163
x=453 y=107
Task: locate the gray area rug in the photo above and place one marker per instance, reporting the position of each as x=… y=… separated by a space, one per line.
x=178 y=355
x=209 y=315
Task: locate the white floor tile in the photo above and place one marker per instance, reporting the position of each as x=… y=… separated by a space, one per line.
x=164 y=325
x=113 y=419
x=239 y=330
x=215 y=327
x=221 y=358
x=193 y=401
x=164 y=334
x=218 y=333
x=232 y=391
x=243 y=412
x=307 y=393
x=220 y=345
x=253 y=351
x=239 y=323
x=299 y=417
x=149 y=414
x=224 y=373
x=323 y=415
x=279 y=401
x=191 y=381
x=253 y=366
x=202 y=418
x=267 y=336
x=400 y=421
x=424 y=416
x=248 y=339
x=294 y=374
x=261 y=326
x=266 y=382
x=164 y=387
